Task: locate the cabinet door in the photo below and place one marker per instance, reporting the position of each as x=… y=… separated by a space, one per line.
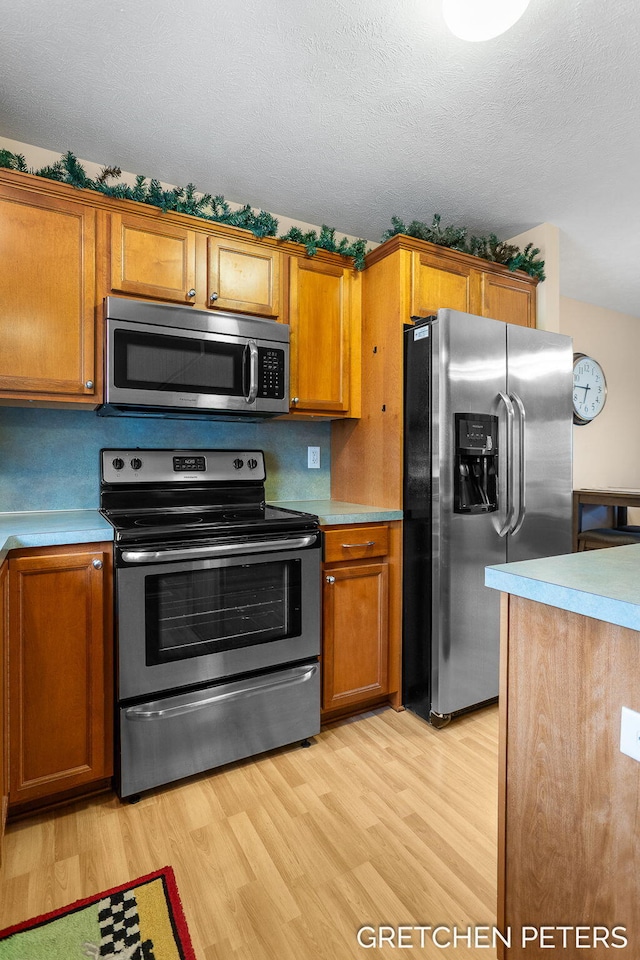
x=504 y=297
x=60 y=684
x=438 y=282
x=243 y=276
x=320 y=320
x=152 y=259
x=355 y=634
x=47 y=292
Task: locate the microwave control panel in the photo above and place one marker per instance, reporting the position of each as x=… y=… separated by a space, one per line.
x=271 y=373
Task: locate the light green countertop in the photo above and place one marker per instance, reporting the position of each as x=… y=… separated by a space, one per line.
x=603 y=584
x=50 y=528
x=337 y=511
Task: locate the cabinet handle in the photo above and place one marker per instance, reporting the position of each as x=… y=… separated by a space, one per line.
x=89 y=384
x=213 y=297
x=351 y=546
x=330 y=579
x=97 y=564
x=295 y=399
x=191 y=293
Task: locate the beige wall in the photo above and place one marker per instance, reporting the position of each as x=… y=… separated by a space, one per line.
x=546 y=237
x=606 y=452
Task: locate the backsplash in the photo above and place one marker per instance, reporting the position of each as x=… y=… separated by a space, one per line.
x=49 y=459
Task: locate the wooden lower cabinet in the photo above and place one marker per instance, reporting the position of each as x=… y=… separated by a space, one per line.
x=355 y=609
x=60 y=672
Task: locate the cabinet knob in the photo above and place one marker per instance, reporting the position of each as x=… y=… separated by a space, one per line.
x=213 y=297
x=97 y=564
x=295 y=399
x=191 y=293
x=330 y=579
x=89 y=384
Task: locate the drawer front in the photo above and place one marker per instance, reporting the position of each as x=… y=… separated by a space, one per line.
x=356 y=543
x=178 y=736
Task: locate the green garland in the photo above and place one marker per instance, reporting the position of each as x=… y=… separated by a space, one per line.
x=184 y=200
x=487 y=248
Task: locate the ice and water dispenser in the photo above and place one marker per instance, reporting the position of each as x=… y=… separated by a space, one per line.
x=476 y=463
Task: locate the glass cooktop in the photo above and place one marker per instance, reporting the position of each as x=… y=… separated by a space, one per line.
x=185 y=523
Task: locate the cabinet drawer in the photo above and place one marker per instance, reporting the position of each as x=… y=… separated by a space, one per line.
x=356 y=543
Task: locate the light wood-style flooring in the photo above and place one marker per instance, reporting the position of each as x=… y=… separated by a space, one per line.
x=383 y=821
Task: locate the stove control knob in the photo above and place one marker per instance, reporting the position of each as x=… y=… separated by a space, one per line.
x=117 y=463
x=136 y=463
x=252 y=464
x=238 y=463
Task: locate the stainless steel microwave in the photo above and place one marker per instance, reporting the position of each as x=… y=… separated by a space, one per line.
x=172 y=361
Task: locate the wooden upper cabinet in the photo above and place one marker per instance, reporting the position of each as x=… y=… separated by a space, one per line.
x=244 y=276
x=438 y=282
x=47 y=297
x=323 y=321
x=504 y=296
x=153 y=258
x=60 y=677
x=459 y=282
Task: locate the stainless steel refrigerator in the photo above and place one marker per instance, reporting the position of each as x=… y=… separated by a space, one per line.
x=488 y=479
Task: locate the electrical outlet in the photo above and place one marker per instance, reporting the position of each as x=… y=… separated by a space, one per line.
x=630 y=733
x=313 y=458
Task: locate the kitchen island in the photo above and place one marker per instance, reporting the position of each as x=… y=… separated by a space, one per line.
x=569 y=803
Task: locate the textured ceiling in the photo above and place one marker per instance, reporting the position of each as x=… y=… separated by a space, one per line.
x=348 y=112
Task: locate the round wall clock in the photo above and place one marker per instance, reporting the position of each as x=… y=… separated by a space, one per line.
x=589 y=388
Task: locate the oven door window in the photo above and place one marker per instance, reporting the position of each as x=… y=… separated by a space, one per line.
x=199 y=612
x=151 y=361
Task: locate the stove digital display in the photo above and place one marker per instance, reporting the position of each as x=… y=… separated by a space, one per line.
x=190 y=464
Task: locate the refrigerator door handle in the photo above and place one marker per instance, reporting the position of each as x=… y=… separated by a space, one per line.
x=508 y=523
x=522 y=417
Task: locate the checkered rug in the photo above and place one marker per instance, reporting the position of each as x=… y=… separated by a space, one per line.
x=141 y=920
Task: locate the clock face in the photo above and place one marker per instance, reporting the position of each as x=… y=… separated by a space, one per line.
x=589 y=388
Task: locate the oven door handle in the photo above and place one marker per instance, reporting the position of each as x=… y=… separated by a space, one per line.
x=218 y=550
x=182 y=705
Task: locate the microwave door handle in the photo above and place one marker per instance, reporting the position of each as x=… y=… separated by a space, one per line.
x=252 y=357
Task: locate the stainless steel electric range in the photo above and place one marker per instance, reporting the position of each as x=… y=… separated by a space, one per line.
x=217 y=612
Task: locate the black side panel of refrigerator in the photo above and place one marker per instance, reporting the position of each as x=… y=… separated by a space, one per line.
x=416 y=644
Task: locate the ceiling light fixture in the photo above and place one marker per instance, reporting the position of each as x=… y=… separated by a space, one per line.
x=481 y=19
